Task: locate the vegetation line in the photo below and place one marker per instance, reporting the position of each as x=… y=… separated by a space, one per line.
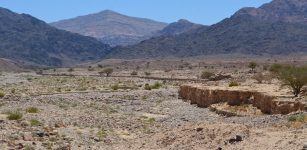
x=140 y=77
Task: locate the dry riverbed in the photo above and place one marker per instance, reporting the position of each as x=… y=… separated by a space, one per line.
x=45 y=112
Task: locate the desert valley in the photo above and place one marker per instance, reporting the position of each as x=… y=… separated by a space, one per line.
x=108 y=81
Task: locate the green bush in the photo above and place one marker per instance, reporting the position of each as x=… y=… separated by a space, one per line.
x=157 y=85
x=115 y=87
x=34 y=122
x=32 y=110
x=147 y=87
x=298 y=118
x=233 y=83
x=14 y=116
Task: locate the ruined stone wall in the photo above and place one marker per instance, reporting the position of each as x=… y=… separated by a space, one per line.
x=204 y=97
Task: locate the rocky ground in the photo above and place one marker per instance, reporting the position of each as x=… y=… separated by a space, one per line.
x=60 y=112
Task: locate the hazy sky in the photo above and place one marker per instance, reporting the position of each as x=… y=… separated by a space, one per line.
x=199 y=11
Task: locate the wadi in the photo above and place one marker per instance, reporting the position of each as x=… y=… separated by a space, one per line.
x=109 y=81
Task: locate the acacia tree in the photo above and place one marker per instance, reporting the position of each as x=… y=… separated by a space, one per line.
x=252 y=65
x=294 y=77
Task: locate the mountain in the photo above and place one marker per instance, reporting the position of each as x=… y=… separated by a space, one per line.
x=111 y=27
x=30 y=41
x=276 y=28
x=179 y=27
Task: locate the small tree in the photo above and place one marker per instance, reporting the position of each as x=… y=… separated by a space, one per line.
x=294 y=77
x=107 y=71
x=252 y=65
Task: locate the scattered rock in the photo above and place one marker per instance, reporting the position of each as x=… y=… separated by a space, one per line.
x=27 y=136
x=199 y=129
x=40 y=133
x=238 y=138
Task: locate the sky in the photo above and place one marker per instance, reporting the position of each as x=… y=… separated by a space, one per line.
x=205 y=12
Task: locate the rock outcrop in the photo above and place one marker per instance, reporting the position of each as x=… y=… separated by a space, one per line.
x=204 y=97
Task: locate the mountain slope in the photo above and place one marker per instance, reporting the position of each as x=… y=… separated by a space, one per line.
x=28 y=40
x=111 y=27
x=245 y=32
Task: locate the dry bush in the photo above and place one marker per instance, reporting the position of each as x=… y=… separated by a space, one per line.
x=206 y=75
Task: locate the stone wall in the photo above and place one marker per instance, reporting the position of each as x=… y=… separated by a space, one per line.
x=204 y=97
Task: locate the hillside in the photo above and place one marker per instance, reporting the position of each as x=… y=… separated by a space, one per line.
x=111 y=27
x=30 y=41
x=246 y=32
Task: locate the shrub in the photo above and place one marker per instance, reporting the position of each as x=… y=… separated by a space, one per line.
x=101 y=134
x=34 y=122
x=157 y=85
x=14 y=116
x=252 y=65
x=115 y=87
x=294 y=77
x=32 y=110
x=206 y=75
x=147 y=87
x=298 y=118
x=2 y=94
x=134 y=73
x=107 y=71
x=233 y=83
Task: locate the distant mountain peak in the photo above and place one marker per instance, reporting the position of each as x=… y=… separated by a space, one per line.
x=112 y=27
x=183 y=21
x=179 y=27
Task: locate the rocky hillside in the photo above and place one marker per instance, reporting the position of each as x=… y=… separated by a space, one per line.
x=278 y=29
x=30 y=41
x=293 y=11
x=111 y=27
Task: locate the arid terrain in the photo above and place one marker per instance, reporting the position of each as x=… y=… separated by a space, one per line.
x=138 y=107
